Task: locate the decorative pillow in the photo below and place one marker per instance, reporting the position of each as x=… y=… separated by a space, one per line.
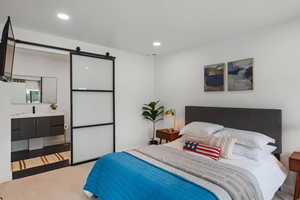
x=225 y=142
x=206 y=150
x=256 y=154
x=247 y=138
x=200 y=129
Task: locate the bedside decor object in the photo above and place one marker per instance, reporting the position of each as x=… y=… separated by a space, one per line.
x=167 y=134
x=172 y=112
x=214 y=77
x=240 y=75
x=53 y=106
x=294 y=163
x=153 y=112
x=212 y=152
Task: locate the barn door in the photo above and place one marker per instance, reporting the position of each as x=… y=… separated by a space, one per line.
x=92 y=107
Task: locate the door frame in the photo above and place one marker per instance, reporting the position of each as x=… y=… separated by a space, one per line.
x=92 y=55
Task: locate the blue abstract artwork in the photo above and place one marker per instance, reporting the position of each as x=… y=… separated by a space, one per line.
x=240 y=75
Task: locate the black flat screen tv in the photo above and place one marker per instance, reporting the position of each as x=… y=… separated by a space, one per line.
x=7 y=52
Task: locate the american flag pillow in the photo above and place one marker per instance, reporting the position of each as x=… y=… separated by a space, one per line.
x=206 y=150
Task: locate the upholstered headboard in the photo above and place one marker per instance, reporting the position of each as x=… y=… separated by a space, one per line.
x=266 y=121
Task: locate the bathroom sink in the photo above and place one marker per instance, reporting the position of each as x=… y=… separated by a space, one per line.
x=40 y=114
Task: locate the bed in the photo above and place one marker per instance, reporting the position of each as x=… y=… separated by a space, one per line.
x=167 y=172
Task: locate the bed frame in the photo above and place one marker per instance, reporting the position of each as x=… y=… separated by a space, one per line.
x=266 y=121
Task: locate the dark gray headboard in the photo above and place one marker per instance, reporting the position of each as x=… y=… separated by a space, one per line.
x=266 y=121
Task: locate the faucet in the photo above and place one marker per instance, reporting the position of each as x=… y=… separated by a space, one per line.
x=33 y=109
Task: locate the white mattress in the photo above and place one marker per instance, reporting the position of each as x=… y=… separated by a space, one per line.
x=269 y=173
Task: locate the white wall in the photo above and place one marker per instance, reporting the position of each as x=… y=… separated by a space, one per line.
x=5 y=138
x=179 y=78
x=134 y=87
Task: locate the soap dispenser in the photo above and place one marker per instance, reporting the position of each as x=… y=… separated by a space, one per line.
x=33 y=109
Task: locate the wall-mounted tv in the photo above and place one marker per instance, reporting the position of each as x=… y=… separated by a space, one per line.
x=7 y=52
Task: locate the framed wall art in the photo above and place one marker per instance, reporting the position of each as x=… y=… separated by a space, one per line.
x=214 y=77
x=240 y=75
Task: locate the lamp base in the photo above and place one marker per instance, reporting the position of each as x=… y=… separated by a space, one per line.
x=153 y=142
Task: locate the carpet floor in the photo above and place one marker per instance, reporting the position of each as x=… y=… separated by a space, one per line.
x=61 y=184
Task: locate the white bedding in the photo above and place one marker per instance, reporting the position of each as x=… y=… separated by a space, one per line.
x=270 y=173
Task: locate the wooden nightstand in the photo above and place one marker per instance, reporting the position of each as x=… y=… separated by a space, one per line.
x=295 y=167
x=167 y=134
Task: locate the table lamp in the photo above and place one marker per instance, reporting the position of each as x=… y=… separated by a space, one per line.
x=172 y=112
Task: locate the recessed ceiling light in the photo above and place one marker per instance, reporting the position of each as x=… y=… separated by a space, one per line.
x=156 y=44
x=63 y=16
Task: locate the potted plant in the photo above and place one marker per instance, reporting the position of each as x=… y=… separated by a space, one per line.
x=53 y=106
x=154 y=113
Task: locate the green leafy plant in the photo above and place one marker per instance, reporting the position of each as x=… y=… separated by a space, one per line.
x=53 y=106
x=154 y=113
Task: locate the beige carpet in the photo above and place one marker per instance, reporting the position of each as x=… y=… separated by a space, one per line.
x=61 y=184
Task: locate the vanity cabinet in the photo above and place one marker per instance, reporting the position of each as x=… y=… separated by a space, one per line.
x=57 y=126
x=36 y=127
x=42 y=127
x=22 y=129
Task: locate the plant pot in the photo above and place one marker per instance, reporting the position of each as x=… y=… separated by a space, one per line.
x=153 y=142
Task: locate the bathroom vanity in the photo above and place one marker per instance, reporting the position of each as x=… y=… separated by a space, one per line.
x=29 y=126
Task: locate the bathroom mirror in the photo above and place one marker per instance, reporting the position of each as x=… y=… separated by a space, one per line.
x=49 y=90
x=34 y=90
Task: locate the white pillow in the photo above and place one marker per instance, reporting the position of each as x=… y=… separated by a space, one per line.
x=269 y=148
x=200 y=129
x=247 y=138
x=253 y=153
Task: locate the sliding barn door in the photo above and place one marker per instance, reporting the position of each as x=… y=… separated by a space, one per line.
x=92 y=107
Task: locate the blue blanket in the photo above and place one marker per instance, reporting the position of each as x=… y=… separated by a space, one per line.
x=122 y=176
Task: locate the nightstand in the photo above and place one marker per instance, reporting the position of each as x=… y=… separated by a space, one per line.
x=167 y=134
x=295 y=167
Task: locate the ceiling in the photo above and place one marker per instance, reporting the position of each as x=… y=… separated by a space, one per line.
x=134 y=24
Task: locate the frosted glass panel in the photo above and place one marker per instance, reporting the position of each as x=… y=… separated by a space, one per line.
x=92 y=73
x=92 y=108
x=92 y=142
